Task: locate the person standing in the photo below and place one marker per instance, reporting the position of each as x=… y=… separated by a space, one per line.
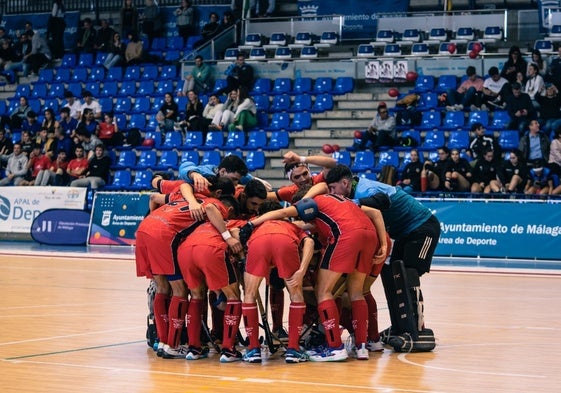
x=55 y=29
x=185 y=20
x=129 y=18
x=151 y=21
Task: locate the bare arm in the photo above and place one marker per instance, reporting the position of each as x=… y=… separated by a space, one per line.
x=216 y=220
x=317 y=189
x=195 y=207
x=280 y=214
x=323 y=161
x=378 y=221
x=307 y=253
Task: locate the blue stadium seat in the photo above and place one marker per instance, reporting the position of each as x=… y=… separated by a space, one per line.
x=126 y=159
x=255 y=160
x=423 y=84
x=280 y=103
x=92 y=87
x=127 y=89
x=261 y=102
x=142 y=180
x=214 y=140
x=137 y=120
x=343 y=85
x=257 y=54
x=79 y=74
x=106 y=104
x=256 y=140
x=392 y=50
x=420 y=49
x=39 y=90
x=120 y=119
x=168 y=72
x=100 y=58
x=172 y=140
x=301 y=85
x=477 y=117
x=509 y=139
x=387 y=158
x=279 y=121
x=364 y=161
x=428 y=101
x=429 y=120
x=190 y=156
x=301 y=121
x=323 y=102
x=261 y=86
x=141 y=105
x=114 y=74
x=231 y=54
x=458 y=140
x=445 y=83
x=175 y=43
x=453 y=120
x=342 y=157
x=149 y=73
x=309 y=52
x=51 y=103
x=282 y=53
x=75 y=88
x=68 y=61
x=323 y=85
x=132 y=73
x=279 y=140
x=433 y=140
x=62 y=75
x=211 y=157
x=234 y=140
x=145 y=88
x=220 y=84
x=46 y=75
x=281 y=86
x=85 y=60
x=109 y=89
x=365 y=50
x=122 y=105
x=168 y=160
x=172 y=55
x=301 y=103
x=501 y=120
x=146 y=160
x=163 y=87
x=121 y=180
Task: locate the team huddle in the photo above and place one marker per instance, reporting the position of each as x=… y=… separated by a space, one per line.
x=213 y=236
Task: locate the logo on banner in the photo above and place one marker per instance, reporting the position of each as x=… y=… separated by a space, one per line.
x=106 y=218
x=4 y=208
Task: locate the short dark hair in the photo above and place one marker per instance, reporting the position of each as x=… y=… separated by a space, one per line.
x=255 y=188
x=493 y=71
x=475 y=126
x=470 y=71
x=233 y=163
x=268 y=206
x=221 y=183
x=232 y=202
x=338 y=173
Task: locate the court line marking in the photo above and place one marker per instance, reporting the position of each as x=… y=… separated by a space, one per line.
x=72 y=350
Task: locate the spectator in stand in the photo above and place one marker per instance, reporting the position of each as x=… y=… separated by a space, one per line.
x=50 y=122
x=239 y=74
x=554 y=70
x=76 y=168
x=193 y=113
x=212 y=108
x=209 y=30
x=514 y=65
x=74 y=105
x=104 y=36
x=36 y=163
x=89 y=142
x=381 y=131
x=458 y=173
x=108 y=131
x=245 y=117
x=40 y=55
x=434 y=173
x=534 y=85
x=63 y=141
x=16 y=169
x=48 y=177
x=514 y=174
x=26 y=142
x=66 y=122
x=116 y=52
x=550 y=112
x=540 y=63
x=223 y=117
x=40 y=138
x=55 y=29
x=237 y=9
x=134 y=52
x=520 y=109
x=228 y=20
x=534 y=145
x=468 y=94
x=486 y=174
x=167 y=113
x=49 y=147
x=540 y=181
x=90 y=103
x=88 y=125
x=86 y=37
x=554 y=162
x=264 y=8
x=411 y=175
x=8 y=54
x=22 y=48
x=6 y=147
x=128 y=17
x=152 y=24
x=185 y=20
x=199 y=79
x=15 y=119
x=98 y=170
x=482 y=142
x=31 y=123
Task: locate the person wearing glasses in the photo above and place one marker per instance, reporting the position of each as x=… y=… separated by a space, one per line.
x=381 y=131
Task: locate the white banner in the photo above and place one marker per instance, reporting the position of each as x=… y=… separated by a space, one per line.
x=20 y=205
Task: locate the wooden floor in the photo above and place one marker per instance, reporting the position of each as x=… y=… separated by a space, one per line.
x=78 y=325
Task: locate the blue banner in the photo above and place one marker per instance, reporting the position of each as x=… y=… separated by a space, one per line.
x=68 y=227
x=498 y=229
x=116 y=216
x=360 y=16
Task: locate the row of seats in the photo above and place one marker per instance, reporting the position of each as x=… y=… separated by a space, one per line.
x=302 y=85
x=417 y=49
x=452 y=120
x=436 y=35
x=280 y=39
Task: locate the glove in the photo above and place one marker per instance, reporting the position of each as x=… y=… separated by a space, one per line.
x=245 y=233
x=378 y=201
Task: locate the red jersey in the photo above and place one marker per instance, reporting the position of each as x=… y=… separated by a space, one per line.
x=106 y=130
x=286 y=193
x=77 y=164
x=39 y=163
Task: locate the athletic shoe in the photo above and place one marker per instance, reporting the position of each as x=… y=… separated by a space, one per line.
x=281 y=334
x=316 y=350
x=459 y=107
x=175 y=353
x=374 y=346
x=362 y=352
x=156 y=345
x=331 y=355
x=451 y=108
x=484 y=107
x=252 y=356
x=230 y=355
x=294 y=356
x=196 y=353
x=160 y=349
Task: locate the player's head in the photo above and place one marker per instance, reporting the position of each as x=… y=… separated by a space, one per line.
x=220 y=186
x=268 y=206
x=302 y=191
x=340 y=180
x=298 y=173
x=253 y=196
x=232 y=167
x=231 y=204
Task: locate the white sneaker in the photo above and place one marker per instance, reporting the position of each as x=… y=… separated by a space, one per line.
x=375 y=346
x=175 y=353
x=473 y=108
x=450 y=107
x=331 y=355
x=459 y=107
x=484 y=107
x=362 y=352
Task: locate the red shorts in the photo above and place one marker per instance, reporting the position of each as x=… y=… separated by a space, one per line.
x=353 y=250
x=206 y=263
x=273 y=249
x=156 y=255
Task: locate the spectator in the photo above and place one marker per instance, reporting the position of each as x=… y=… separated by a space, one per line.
x=433 y=174
x=67 y=122
x=98 y=170
x=76 y=168
x=36 y=163
x=520 y=109
x=88 y=125
x=457 y=173
x=193 y=113
x=209 y=30
x=26 y=143
x=74 y=105
x=167 y=113
x=86 y=37
x=538 y=60
x=116 y=52
x=15 y=119
x=514 y=174
x=223 y=118
x=540 y=181
x=554 y=162
x=55 y=29
x=104 y=36
x=550 y=112
x=62 y=141
x=481 y=142
x=6 y=147
x=185 y=20
x=239 y=74
x=128 y=17
x=40 y=138
x=468 y=94
x=228 y=20
x=108 y=131
x=554 y=70
x=89 y=141
x=486 y=174
x=53 y=175
x=212 y=108
x=514 y=65
x=199 y=79
x=16 y=168
x=151 y=18
x=49 y=122
x=534 y=145
x=264 y=8
x=381 y=131
x=134 y=52
x=90 y=103
x=237 y=9
x=245 y=116
x=22 y=48
x=534 y=85
x=49 y=147
x=31 y=124
x=40 y=55
x=411 y=175
x=8 y=54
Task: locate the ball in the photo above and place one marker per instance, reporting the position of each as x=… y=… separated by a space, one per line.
x=336 y=147
x=327 y=149
x=472 y=54
x=393 y=92
x=477 y=47
x=452 y=48
x=411 y=76
x=358 y=134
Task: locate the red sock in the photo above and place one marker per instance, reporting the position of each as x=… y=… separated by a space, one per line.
x=194 y=321
x=161 y=316
x=216 y=315
x=232 y=316
x=251 y=323
x=176 y=311
x=295 y=320
x=277 y=307
x=346 y=319
x=373 y=333
x=424 y=184
x=360 y=320
x=329 y=317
